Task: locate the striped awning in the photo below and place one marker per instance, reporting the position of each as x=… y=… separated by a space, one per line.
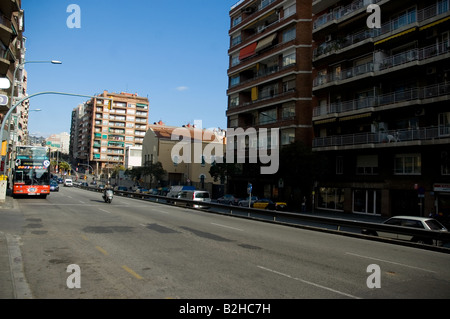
x=264 y=43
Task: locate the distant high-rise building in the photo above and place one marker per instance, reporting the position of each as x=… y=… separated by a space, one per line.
x=104 y=126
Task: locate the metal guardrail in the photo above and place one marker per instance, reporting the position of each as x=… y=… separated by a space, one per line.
x=295 y=220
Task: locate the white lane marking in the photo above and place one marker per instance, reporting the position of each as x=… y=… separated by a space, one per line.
x=227 y=226
x=104 y=211
x=309 y=283
x=390 y=262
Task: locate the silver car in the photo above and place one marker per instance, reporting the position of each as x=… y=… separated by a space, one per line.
x=426 y=223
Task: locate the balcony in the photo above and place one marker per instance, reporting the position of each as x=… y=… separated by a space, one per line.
x=388 y=63
x=342 y=13
x=404 y=23
x=406 y=137
x=264 y=74
x=416 y=95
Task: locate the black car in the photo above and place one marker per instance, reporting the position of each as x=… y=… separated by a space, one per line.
x=228 y=199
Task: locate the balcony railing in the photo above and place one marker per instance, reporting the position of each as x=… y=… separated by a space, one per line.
x=418 y=94
x=387 y=63
x=393 y=136
x=342 y=12
x=409 y=18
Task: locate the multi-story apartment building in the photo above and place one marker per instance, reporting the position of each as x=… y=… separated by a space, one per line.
x=270 y=76
x=12 y=54
x=105 y=126
x=382 y=112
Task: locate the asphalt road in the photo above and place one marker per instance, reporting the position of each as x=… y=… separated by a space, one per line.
x=137 y=249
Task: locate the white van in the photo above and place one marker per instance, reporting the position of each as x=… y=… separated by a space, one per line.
x=68 y=182
x=195 y=195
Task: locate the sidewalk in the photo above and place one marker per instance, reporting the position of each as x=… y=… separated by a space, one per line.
x=6 y=276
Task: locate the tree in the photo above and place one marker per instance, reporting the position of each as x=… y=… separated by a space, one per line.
x=154 y=170
x=220 y=171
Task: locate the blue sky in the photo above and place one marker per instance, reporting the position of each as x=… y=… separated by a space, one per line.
x=173 y=52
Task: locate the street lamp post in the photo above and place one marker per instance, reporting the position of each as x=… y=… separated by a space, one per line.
x=20 y=65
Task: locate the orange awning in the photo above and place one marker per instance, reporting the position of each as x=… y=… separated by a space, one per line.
x=249 y=50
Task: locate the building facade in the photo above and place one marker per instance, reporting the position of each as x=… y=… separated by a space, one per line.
x=270 y=76
x=177 y=149
x=382 y=106
x=104 y=126
x=12 y=55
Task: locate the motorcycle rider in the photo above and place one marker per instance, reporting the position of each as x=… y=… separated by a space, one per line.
x=108 y=187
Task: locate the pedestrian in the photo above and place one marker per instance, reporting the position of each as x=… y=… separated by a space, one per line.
x=304 y=204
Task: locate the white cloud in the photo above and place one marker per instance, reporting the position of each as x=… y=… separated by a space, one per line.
x=182 y=88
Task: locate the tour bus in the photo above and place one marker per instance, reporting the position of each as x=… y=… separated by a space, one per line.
x=31 y=175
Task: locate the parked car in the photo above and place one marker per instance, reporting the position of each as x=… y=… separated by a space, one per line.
x=84 y=184
x=426 y=223
x=194 y=195
x=244 y=202
x=265 y=203
x=228 y=199
x=101 y=186
x=68 y=182
x=122 y=188
x=175 y=190
x=54 y=187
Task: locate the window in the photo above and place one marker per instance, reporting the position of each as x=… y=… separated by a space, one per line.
x=269 y=116
x=235 y=60
x=289 y=59
x=442 y=6
x=237 y=20
x=367 y=165
x=287 y=136
x=331 y=198
x=234 y=123
x=289 y=35
x=288 y=85
x=236 y=40
x=289 y=11
x=367 y=201
x=234 y=100
x=235 y=80
x=288 y=111
x=408 y=164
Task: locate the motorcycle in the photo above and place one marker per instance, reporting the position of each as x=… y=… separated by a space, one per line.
x=108 y=196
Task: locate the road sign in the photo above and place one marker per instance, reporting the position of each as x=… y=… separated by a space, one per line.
x=249 y=188
x=3 y=99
